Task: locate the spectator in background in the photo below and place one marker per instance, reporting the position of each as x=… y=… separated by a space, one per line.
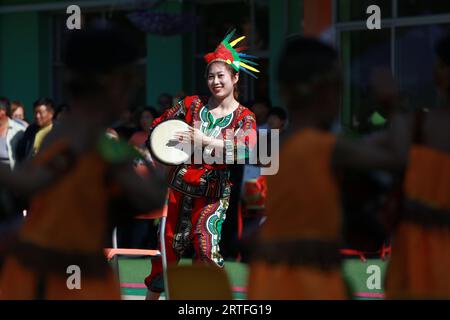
x=18 y=112
x=165 y=101
x=61 y=112
x=34 y=135
x=261 y=109
x=145 y=117
x=10 y=134
x=232 y=232
x=126 y=126
x=140 y=233
x=245 y=186
x=178 y=97
x=254 y=187
x=277 y=119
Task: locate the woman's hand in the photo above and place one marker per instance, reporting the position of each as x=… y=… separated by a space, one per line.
x=193 y=136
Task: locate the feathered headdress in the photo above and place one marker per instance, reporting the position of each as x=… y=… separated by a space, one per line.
x=226 y=52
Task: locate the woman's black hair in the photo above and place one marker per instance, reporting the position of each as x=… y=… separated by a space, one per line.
x=47 y=102
x=5 y=105
x=138 y=114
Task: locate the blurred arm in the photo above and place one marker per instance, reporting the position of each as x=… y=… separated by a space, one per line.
x=387 y=151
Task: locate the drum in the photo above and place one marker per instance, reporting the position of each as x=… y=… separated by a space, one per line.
x=165 y=148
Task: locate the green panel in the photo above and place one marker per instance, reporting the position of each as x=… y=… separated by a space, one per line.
x=19 y=57
x=188 y=55
x=164 y=61
x=344 y=10
x=276 y=38
x=295 y=16
x=356 y=274
x=45 y=55
x=346 y=115
x=134 y=270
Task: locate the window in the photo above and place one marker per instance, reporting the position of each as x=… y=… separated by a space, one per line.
x=415 y=71
x=405 y=46
x=364 y=53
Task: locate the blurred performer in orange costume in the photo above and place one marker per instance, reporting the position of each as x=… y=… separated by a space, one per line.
x=297 y=256
x=420 y=261
x=81 y=180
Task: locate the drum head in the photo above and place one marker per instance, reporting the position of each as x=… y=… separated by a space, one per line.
x=163 y=145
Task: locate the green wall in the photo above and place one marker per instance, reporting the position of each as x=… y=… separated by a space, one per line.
x=276 y=37
x=165 y=61
x=285 y=18
x=24 y=57
x=295 y=8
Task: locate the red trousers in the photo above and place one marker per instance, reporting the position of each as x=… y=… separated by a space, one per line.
x=191 y=223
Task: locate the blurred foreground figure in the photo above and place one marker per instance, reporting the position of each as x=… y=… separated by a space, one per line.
x=420 y=259
x=297 y=256
x=78 y=178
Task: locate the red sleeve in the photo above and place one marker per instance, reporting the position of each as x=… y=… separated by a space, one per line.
x=245 y=137
x=179 y=111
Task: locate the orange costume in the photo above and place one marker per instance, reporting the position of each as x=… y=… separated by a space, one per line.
x=67 y=225
x=298 y=253
x=420 y=259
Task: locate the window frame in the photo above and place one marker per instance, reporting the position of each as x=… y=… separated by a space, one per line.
x=392 y=23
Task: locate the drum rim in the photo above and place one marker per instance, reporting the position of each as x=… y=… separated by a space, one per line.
x=151 y=146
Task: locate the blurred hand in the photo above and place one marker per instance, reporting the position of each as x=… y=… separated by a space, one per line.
x=193 y=136
x=384 y=87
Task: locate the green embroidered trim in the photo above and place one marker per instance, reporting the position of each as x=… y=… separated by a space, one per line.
x=209 y=124
x=210 y=120
x=225 y=121
x=203 y=113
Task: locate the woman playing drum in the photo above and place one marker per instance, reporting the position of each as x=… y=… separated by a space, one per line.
x=199 y=193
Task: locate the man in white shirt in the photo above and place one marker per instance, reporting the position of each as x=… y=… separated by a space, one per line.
x=11 y=132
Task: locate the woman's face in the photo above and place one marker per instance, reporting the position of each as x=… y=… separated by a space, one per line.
x=18 y=114
x=220 y=80
x=146 y=120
